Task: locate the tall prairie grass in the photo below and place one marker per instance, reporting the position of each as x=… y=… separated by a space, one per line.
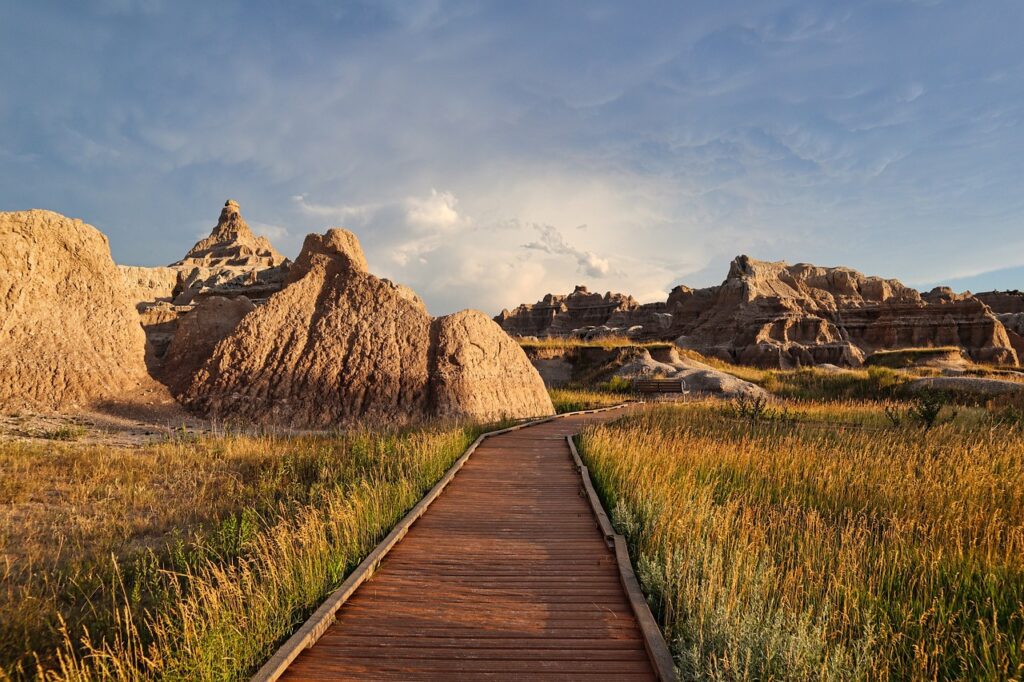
x=192 y=559
x=576 y=399
x=606 y=342
x=811 y=549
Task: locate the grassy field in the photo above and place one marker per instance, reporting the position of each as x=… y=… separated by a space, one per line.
x=191 y=559
x=576 y=399
x=828 y=546
x=607 y=342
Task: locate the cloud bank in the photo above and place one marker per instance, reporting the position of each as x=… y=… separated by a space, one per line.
x=465 y=143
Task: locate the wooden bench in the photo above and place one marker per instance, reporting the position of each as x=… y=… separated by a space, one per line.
x=659 y=386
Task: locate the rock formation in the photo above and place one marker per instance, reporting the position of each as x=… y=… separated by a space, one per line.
x=556 y=315
x=480 y=371
x=339 y=344
x=149 y=284
x=232 y=262
x=780 y=315
x=195 y=336
x=69 y=334
x=1003 y=302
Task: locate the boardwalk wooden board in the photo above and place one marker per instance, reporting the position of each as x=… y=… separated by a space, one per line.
x=510 y=573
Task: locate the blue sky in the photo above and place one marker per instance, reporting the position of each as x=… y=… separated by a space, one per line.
x=487 y=153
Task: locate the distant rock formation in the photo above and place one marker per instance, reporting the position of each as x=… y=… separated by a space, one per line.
x=230 y=263
x=338 y=344
x=779 y=315
x=556 y=315
x=69 y=334
x=232 y=260
x=1008 y=306
x=772 y=314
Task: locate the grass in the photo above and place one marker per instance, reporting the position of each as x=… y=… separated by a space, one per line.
x=607 y=343
x=576 y=399
x=191 y=559
x=66 y=433
x=830 y=546
x=908 y=357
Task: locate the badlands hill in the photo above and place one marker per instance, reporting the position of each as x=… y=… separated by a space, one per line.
x=69 y=334
x=338 y=344
x=235 y=330
x=772 y=314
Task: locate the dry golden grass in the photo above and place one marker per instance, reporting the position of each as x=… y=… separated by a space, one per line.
x=607 y=342
x=576 y=399
x=191 y=559
x=803 y=550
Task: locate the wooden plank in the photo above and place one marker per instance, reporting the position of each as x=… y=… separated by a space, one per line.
x=510 y=574
x=654 y=640
x=313 y=628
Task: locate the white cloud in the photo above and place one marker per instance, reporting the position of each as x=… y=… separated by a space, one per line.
x=551 y=241
x=434 y=213
x=271 y=232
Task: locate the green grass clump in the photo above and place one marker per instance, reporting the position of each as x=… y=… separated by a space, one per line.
x=192 y=559
x=830 y=545
x=874 y=383
x=65 y=433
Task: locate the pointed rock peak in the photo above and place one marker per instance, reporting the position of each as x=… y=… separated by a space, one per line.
x=581 y=289
x=231 y=224
x=231 y=242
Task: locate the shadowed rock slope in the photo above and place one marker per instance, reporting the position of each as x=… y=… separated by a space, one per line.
x=69 y=334
x=339 y=344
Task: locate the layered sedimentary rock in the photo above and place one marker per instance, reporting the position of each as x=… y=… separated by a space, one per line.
x=339 y=344
x=1003 y=302
x=780 y=315
x=556 y=315
x=150 y=284
x=230 y=263
x=69 y=334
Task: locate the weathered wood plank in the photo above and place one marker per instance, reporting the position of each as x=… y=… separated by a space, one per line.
x=509 y=574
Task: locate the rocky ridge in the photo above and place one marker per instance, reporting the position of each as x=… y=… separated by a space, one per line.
x=231 y=262
x=773 y=314
x=338 y=344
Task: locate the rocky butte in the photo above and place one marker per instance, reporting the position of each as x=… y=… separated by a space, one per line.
x=69 y=333
x=773 y=314
x=237 y=331
x=338 y=344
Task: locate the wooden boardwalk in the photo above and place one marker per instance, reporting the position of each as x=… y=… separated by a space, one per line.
x=507 y=575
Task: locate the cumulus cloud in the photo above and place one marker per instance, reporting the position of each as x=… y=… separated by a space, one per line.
x=552 y=241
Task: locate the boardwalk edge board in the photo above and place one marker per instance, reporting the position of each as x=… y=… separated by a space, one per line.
x=315 y=626
x=654 y=640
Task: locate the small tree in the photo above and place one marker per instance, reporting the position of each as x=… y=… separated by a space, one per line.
x=926 y=408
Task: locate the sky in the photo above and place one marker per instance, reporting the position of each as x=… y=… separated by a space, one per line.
x=486 y=153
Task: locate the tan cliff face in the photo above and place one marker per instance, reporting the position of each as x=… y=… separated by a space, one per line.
x=69 y=333
x=334 y=345
x=774 y=314
x=338 y=344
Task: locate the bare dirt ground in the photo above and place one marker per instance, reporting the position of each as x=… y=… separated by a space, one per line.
x=134 y=422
